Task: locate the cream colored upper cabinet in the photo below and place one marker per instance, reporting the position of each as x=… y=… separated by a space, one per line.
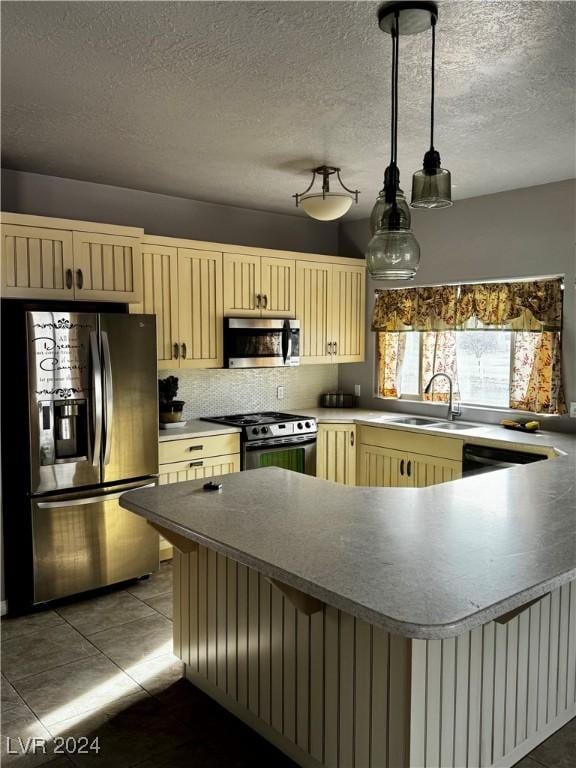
x=242 y=293
x=259 y=286
x=348 y=313
x=160 y=298
x=314 y=310
x=330 y=304
x=336 y=453
x=37 y=263
x=200 y=308
x=278 y=287
x=107 y=267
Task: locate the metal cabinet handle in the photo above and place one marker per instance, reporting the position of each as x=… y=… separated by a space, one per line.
x=69 y=280
x=79 y=279
x=183 y=348
x=195 y=447
x=328 y=348
x=196 y=463
x=402 y=467
x=258 y=301
x=351 y=438
x=265 y=301
x=409 y=468
x=176 y=351
x=335 y=347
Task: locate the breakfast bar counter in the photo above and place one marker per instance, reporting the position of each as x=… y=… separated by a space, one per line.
x=380 y=626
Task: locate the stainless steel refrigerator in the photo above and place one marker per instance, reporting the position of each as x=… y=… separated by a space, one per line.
x=93 y=420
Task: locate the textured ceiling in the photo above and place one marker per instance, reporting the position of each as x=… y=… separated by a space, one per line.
x=231 y=102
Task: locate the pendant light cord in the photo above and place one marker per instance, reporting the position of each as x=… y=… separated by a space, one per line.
x=432 y=81
x=395 y=69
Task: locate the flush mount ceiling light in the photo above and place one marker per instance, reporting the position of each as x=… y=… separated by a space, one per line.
x=431 y=187
x=326 y=205
x=393 y=252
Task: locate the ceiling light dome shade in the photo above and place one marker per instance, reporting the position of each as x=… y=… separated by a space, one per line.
x=393 y=255
x=326 y=207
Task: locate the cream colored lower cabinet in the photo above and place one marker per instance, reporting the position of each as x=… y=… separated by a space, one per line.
x=388 y=468
x=336 y=453
x=202 y=463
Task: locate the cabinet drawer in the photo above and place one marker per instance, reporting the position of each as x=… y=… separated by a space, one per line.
x=401 y=440
x=195 y=469
x=194 y=448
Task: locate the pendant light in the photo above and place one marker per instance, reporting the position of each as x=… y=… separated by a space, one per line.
x=432 y=187
x=393 y=252
x=326 y=205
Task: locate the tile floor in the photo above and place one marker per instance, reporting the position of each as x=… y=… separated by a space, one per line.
x=104 y=667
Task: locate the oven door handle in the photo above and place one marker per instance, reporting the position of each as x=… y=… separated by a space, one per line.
x=263 y=444
x=286 y=342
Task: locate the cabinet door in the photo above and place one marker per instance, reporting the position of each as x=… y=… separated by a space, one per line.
x=107 y=268
x=37 y=263
x=336 y=453
x=314 y=310
x=200 y=308
x=381 y=467
x=348 y=313
x=278 y=285
x=430 y=470
x=242 y=291
x=181 y=471
x=160 y=298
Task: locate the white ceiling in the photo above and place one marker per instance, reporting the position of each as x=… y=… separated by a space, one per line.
x=231 y=102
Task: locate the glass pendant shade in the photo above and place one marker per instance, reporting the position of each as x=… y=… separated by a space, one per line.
x=393 y=255
x=431 y=188
x=380 y=216
x=326 y=207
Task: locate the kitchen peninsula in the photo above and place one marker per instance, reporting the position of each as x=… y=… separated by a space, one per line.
x=382 y=627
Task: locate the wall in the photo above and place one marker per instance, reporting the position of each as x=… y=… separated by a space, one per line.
x=219 y=392
x=523 y=233
x=164 y=215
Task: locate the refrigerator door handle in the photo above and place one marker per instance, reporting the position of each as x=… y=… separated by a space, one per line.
x=80 y=502
x=108 y=397
x=97 y=395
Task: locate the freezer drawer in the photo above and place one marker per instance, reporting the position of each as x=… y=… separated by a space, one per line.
x=84 y=543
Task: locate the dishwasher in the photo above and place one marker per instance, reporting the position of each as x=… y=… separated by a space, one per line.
x=478 y=459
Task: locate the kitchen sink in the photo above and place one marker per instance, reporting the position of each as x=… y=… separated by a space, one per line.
x=414 y=421
x=452 y=425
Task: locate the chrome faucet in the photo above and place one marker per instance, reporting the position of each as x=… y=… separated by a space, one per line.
x=453 y=412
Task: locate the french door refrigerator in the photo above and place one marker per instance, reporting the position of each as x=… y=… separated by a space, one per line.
x=92 y=427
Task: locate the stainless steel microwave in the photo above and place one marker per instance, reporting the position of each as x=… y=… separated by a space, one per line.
x=261 y=342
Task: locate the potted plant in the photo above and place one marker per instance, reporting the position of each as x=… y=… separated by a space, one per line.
x=170 y=409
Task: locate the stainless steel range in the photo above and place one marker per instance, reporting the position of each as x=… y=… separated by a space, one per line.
x=272 y=439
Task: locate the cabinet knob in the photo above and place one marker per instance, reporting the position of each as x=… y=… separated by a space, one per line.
x=69 y=280
x=409 y=468
x=258 y=301
x=351 y=438
x=196 y=463
x=335 y=347
x=183 y=348
x=79 y=279
x=402 y=467
x=176 y=351
x=265 y=297
x=195 y=447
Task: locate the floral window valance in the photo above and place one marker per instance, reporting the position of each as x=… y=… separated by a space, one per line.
x=518 y=306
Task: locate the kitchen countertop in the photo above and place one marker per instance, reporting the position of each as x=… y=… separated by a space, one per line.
x=196 y=428
x=421 y=562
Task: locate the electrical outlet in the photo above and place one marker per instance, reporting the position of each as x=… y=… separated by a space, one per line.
x=280 y=393
x=573 y=410
x=357 y=390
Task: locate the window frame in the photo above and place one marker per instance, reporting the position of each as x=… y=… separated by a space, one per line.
x=419 y=397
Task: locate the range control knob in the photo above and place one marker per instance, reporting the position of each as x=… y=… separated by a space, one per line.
x=264 y=430
x=307 y=425
x=299 y=425
x=256 y=431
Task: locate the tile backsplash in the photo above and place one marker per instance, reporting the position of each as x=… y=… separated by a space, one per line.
x=221 y=391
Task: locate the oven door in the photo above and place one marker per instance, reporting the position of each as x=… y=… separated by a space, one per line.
x=297 y=454
x=261 y=343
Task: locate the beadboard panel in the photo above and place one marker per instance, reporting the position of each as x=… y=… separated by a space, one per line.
x=321 y=683
x=487 y=697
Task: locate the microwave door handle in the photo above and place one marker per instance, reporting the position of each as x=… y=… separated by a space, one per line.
x=97 y=395
x=109 y=398
x=286 y=341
